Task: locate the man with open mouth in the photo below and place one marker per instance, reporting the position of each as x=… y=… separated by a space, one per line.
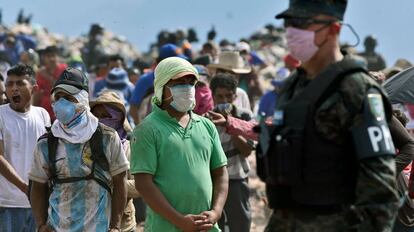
x=21 y=124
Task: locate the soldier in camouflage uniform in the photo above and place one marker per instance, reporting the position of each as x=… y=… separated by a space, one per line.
x=337 y=172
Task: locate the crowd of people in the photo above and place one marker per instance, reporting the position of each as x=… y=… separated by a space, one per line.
x=95 y=136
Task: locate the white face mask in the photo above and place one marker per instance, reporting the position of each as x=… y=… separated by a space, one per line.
x=183 y=97
x=301 y=43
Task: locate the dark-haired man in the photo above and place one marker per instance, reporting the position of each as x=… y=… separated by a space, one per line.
x=237 y=213
x=21 y=124
x=232 y=63
x=116 y=61
x=176 y=157
x=46 y=77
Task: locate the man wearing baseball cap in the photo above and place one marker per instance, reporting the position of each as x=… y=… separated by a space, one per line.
x=331 y=157
x=83 y=162
x=176 y=156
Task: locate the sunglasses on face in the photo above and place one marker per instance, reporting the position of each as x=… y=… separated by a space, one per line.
x=303 y=23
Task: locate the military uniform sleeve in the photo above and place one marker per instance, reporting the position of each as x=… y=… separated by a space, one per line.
x=376 y=196
x=40 y=168
x=144 y=157
x=357 y=110
x=377 y=199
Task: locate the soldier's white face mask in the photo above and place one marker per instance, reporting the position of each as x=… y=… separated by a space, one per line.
x=301 y=43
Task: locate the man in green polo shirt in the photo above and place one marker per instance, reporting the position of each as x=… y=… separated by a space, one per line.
x=176 y=157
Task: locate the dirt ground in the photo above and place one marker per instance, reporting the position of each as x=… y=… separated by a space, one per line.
x=260 y=211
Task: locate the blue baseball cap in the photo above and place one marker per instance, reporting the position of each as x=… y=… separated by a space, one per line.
x=170 y=50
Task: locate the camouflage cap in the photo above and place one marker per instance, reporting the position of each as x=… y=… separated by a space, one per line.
x=310 y=8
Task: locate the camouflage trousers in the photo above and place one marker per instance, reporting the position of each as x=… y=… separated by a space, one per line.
x=287 y=221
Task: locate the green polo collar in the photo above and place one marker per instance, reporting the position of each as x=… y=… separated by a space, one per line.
x=163 y=114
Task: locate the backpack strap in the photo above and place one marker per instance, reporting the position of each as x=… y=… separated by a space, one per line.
x=52 y=143
x=97 y=155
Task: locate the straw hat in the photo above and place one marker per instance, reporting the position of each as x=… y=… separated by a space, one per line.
x=231 y=61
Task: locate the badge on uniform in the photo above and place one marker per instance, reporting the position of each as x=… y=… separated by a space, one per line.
x=376 y=106
x=278 y=118
x=372 y=136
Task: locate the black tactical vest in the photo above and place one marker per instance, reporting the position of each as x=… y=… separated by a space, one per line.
x=305 y=169
x=323 y=173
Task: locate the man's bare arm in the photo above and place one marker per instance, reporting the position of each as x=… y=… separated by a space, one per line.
x=242 y=145
x=119 y=199
x=7 y=170
x=220 y=189
x=39 y=195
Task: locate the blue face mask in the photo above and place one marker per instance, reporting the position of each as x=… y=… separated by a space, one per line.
x=66 y=112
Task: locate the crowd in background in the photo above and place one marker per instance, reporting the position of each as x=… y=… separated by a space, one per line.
x=238 y=78
x=100 y=51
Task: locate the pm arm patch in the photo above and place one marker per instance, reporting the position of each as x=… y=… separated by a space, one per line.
x=372 y=136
